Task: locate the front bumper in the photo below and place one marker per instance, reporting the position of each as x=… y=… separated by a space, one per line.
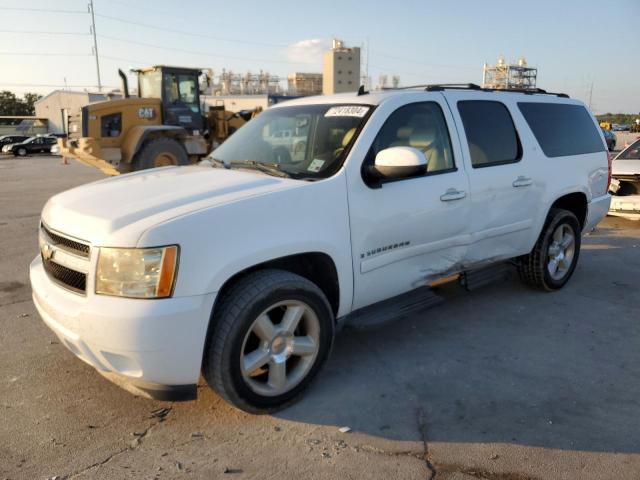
x=152 y=348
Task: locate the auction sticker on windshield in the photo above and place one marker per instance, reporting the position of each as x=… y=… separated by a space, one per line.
x=347 y=111
x=316 y=165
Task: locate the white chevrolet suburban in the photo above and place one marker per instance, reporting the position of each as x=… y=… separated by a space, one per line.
x=244 y=268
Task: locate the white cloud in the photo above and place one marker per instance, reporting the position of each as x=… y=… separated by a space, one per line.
x=308 y=51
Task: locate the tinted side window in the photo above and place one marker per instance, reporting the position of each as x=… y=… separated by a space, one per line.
x=418 y=125
x=111 y=125
x=491 y=135
x=562 y=129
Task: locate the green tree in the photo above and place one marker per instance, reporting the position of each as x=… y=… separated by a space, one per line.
x=29 y=102
x=12 y=105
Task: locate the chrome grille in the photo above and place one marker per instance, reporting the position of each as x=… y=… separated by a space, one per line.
x=68 y=278
x=73 y=246
x=65 y=260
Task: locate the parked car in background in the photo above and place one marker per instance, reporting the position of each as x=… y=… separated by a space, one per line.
x=625 y=183
x=11 y=139
x=39 y=144
x=610 y=138
x=55 y=150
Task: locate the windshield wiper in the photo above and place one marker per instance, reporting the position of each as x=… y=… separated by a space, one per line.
x=218 y=163
x=269 y=168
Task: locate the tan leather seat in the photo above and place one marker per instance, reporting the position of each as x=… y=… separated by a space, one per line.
x=426 y=141
x=478 y=157
x=345 y=141
x=348 y=136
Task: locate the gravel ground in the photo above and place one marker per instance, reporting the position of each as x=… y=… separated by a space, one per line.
x=502 y=383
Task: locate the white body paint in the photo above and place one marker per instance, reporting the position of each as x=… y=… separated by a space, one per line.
x=383 y=241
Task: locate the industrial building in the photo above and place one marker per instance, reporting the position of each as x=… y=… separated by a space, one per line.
x=304 y=84
x=232 y=83
x=59 y=104
x=341 y=69
x=238 y=103
x=505 y=75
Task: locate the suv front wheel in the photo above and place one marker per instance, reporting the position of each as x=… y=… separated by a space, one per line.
x=555 y=255
x=271 y=333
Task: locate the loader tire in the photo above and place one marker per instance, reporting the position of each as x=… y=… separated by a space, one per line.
x=160 y=152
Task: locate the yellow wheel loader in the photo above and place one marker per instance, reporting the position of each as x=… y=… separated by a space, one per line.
x=163 y=126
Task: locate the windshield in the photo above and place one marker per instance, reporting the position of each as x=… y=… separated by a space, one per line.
x=181 y=88
x=149 y=84
x=302 y=141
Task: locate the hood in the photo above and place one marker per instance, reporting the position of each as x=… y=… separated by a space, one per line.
x=116 y=211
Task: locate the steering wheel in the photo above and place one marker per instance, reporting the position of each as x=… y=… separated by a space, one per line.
x=281 y=155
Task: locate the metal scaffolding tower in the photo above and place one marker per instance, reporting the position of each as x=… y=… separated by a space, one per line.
x=505 y=75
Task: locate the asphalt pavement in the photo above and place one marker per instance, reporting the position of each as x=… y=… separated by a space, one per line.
x=502 y=383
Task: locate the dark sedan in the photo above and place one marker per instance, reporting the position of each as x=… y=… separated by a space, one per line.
x=31 y=145
x=8 y=139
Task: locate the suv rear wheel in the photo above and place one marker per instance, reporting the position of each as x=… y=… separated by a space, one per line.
x=555 y=255
x=271 y=333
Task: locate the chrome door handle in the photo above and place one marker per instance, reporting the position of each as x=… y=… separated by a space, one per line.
x=452 y=194
x=522 y=181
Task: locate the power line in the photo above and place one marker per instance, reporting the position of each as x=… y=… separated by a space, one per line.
x=439 y=65
x=42 y=32
x=205 y=54
x=120 y=59
x=44 y=10
x=191 y=34
x=45 y=54
x=49 y=85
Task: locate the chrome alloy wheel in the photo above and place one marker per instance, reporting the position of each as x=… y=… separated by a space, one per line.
x=561 y=251
x=280 y=348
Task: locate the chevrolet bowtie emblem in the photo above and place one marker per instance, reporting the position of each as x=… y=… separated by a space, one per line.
x=47 y=251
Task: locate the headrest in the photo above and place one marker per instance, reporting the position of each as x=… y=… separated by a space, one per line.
x=348 y=136
x=422 y=139
x=404 y=132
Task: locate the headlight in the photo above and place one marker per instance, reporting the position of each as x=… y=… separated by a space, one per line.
x=137 y=272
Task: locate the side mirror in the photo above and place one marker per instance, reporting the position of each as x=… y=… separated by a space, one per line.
x=400 y=162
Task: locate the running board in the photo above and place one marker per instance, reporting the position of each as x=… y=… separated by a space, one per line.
x=394 y=308
x=474 y=279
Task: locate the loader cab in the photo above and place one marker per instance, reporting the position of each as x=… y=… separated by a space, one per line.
x=178 y=88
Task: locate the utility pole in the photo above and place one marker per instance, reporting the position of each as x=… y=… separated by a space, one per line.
x=367 y=70
x=590 y=94
x=95 y=44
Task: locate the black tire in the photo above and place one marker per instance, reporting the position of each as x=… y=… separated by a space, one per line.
x=21 y=152
x=160 y=152
x=232 y=319
x=533 y=266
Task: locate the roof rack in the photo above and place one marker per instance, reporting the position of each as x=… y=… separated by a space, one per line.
x=473 y=86
x=438 y=87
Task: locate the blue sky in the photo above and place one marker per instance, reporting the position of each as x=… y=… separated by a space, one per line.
x=574 y=44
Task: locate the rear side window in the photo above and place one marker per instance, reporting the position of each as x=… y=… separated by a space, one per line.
x=491 y=134
x=562 y=129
